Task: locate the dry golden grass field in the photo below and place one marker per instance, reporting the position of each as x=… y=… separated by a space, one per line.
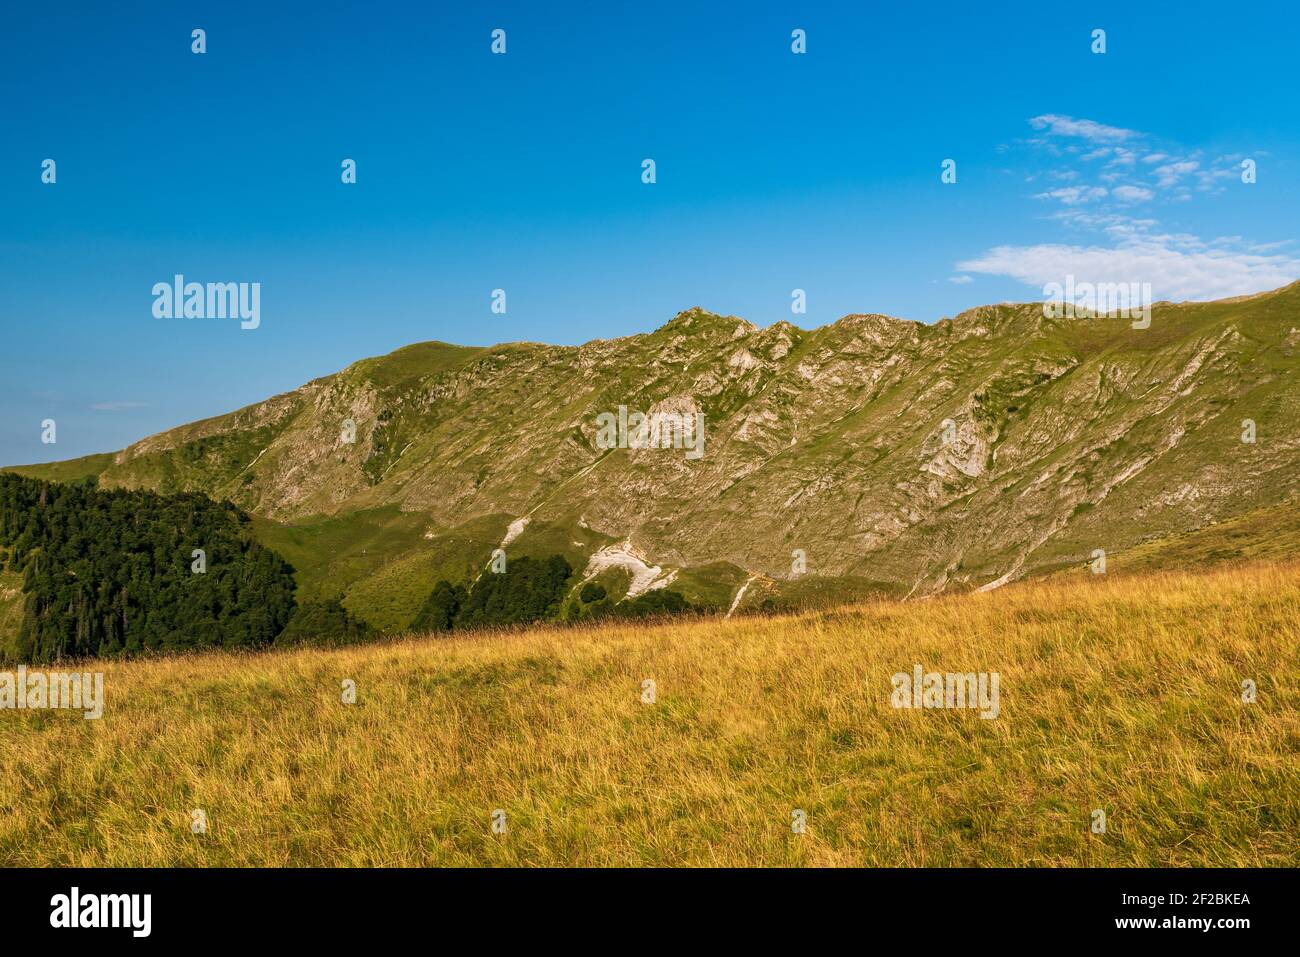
x=1116 y=693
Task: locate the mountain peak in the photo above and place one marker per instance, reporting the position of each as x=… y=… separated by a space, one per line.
x=697 y=320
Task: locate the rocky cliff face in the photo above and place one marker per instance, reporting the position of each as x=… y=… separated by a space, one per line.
x=914 y=457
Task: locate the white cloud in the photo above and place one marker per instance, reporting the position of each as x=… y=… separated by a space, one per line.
x=1095 y=239
x=1074 y=195
x=1177 y=267
x=1208 y=179
x=1123 y=157
x=118 y=406
x=1109 y=222
x=960 y=280
x=1169 y=174
x=1131 y=194
x=1090 y=130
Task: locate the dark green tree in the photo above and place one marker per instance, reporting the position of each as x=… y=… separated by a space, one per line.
x=529 y=590
x=439 y=611
x=324 y=624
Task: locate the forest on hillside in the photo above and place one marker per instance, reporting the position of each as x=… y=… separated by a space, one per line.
x=107 y=573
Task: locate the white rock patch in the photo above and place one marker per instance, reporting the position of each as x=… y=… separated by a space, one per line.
x=515 y=530
x=645 y=577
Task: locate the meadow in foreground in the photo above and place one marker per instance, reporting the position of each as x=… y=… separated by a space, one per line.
x=1117 y=693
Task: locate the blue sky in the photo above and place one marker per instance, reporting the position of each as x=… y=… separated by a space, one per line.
x=477 y=171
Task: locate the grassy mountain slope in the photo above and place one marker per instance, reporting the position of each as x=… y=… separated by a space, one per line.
x=1065 y=436
x=1116 y=693
x=1270 y=533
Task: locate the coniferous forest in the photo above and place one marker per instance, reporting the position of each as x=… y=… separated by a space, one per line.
x=109 y=573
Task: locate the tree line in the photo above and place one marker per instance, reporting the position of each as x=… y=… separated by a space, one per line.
x=107 y=573
x=114 y=572
x=532 y=590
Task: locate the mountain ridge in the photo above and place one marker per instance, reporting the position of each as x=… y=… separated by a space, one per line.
x=897 y=457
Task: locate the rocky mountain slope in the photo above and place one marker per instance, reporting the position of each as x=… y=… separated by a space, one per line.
x=869 y=455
